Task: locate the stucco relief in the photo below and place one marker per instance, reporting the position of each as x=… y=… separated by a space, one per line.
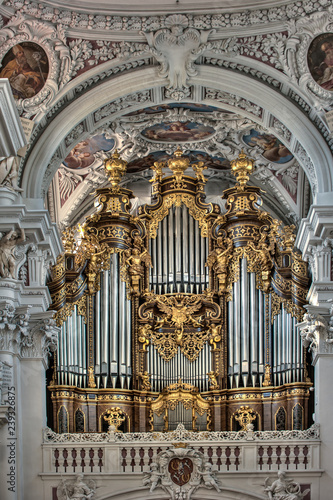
x=180 y=472
x=81 y=20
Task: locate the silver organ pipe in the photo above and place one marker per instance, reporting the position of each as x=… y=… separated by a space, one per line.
x=231 y=355
x=244 y=321
x=164 y=373
x=246 y=337
x=71 y=359
x=253 y=318
x=98 y=338
x=112 y=333
x=261 y=338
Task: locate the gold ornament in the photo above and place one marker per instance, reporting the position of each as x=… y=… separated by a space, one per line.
x=114 y=417
x=115 y=169
x=245 y=416
x=242 y=168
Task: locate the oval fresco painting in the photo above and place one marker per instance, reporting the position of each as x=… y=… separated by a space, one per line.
x=83 y=154
x=196 y=107
x=320 y=60
x=274 y=150
x=26 y=66
x=178 y=132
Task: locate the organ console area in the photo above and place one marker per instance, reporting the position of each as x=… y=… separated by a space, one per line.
x=178 y=313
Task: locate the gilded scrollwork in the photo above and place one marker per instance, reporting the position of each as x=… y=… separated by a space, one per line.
x=179 y=324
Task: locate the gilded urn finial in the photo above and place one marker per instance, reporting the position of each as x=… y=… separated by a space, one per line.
x=115 y=168
x=178 y=165
x=242 y=168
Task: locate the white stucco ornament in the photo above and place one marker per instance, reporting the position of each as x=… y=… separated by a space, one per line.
x=180 y=472
x=284 y=489
x=176 y=48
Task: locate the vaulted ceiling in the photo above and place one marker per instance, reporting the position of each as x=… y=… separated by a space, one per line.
x=241 y=75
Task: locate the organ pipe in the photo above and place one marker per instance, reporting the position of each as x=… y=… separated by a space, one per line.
x=175 y=249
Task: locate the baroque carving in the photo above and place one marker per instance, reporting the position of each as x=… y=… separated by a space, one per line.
x=176 y=48
x=283 y=488
x=315 y=333
x=8 y=244
x=9 y=173
x=79 y=20
x=180 y=472
x=180 y=435
x=78 y=489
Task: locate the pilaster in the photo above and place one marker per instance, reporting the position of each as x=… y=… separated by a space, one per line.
x=27 y=336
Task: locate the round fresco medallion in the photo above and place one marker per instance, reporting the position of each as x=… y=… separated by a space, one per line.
x=320 y=60
x=178 y=132
x=26 y=66
x=180 y=470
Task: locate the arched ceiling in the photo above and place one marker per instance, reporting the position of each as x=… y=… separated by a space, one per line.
x=237 y=76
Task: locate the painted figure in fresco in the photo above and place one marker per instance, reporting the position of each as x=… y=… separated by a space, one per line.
x=273 y=149
x=326 y=67
x=79 y=157
x=24 y=80
x=7 y=247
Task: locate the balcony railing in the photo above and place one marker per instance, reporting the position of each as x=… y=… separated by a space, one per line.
x=111 y=452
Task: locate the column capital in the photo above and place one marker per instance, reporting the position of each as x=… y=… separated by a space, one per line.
x=317 y=332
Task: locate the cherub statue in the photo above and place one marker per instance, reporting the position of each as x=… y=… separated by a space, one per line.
x=198 y=168
x=7 y=246
x=207 y=477
x=153 y=477
x=284 y=489
x=77 y=489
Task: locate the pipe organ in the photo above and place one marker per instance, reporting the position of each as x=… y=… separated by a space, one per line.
x=179 y=314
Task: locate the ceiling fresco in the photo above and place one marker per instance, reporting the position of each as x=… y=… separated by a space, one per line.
x=178 y=132
x=273 y=149
x=65 y=55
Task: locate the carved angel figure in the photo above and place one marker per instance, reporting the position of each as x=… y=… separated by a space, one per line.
x=176 y=49
x=77 y=489
x=208 y=477
x=7 y=247
x=219 y=258
x=283 y=488
x=134 y=261
x=153 y=477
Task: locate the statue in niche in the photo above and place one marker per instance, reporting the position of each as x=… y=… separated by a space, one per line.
x=8 y=243
x=9 y=173
x=77 y=489
x=283 y=488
